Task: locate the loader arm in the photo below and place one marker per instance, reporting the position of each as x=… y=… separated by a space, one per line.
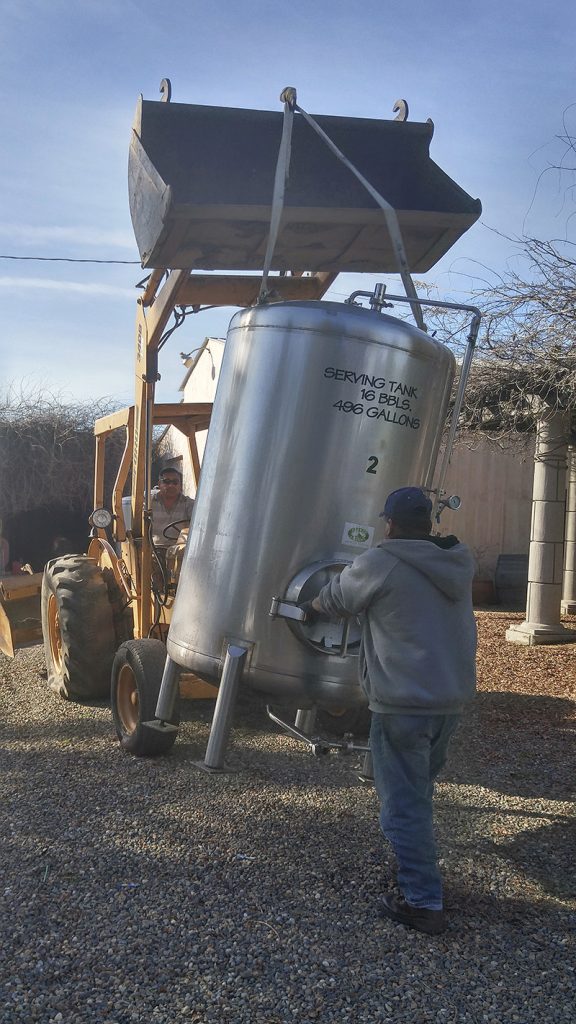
x=150 y=324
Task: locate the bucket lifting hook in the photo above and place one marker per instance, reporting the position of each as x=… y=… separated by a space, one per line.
x=400 y=108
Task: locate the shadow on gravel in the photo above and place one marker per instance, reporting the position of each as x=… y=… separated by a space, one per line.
x=535 y=845
x=543 y=854
x=514 y=744
x=467 y=911
x=517 y=745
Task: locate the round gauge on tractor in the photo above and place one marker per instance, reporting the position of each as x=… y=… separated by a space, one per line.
x=100 y=518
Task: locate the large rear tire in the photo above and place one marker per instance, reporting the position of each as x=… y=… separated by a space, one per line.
x=78 y=628
x=136 y=677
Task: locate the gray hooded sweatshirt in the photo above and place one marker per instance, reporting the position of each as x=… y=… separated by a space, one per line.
x=418 y=649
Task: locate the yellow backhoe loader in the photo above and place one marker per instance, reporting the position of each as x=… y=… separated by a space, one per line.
x=219 y=223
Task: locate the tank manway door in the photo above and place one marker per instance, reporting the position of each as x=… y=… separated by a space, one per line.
x=338 y=637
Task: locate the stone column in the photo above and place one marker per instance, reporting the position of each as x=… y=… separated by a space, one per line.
x=546 y=562
x=568 y=605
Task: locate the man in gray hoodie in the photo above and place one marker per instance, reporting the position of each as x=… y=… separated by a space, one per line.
x=417 y=667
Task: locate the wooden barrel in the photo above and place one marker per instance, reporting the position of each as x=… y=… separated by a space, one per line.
x=511 y=580
x=483 y=592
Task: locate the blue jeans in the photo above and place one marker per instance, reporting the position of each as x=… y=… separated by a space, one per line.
x=408 y=751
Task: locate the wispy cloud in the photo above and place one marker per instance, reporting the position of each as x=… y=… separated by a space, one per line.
x=30 y=234
x=71 y=287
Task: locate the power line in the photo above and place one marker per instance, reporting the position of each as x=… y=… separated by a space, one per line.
x=69 y=259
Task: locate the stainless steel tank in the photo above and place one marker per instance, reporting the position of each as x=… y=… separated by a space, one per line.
x=321 y=410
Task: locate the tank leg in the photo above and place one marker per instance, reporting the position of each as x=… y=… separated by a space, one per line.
x=366 y=773
x=168 y=691
x=306 y=720
x=224 y=710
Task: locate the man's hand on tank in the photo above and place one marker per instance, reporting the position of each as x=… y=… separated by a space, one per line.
x=312 y=613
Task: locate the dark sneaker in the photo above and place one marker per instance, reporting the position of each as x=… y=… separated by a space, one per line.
x=431 y=922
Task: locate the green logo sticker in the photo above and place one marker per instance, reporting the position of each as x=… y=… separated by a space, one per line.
x=358 y=534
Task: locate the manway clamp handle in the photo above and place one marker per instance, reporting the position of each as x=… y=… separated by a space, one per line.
x=282 y=609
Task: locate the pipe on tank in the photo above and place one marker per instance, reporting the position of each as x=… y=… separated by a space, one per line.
x=317 y=744
x=377 y=302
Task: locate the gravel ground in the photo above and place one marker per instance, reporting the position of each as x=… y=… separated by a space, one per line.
x=146 y=891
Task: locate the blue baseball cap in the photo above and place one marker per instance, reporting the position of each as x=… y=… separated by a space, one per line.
x=407 y=501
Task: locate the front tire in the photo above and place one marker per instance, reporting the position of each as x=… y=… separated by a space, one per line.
x=78 y=628
x=136 y=678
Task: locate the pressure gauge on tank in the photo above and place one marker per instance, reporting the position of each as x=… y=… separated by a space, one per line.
x=453 y=502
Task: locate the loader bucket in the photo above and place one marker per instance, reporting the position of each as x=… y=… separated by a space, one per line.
x=20 y=615
x=201 y=181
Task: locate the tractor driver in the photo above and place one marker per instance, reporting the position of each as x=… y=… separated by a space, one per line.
x=169 y=505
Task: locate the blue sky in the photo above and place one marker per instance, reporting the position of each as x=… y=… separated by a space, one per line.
x=496 y=79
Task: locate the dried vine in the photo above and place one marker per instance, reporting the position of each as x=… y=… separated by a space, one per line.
x=46 y=451
x=526 y=352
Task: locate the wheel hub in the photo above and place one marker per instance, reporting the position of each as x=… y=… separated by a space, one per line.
x=54 y=633
x=127 y=700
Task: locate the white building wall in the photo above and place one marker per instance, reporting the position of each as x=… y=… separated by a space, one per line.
x=198 y=386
